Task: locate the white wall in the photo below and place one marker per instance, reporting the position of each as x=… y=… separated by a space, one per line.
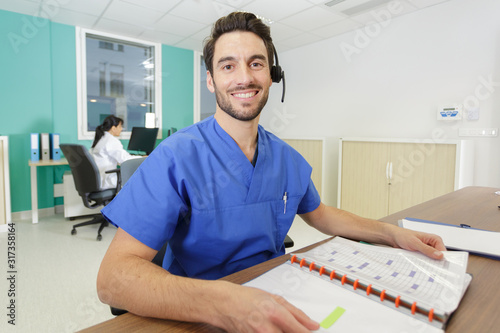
x=393 y=84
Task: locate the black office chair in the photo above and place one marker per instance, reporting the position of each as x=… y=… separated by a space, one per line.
x=87 y=182
x=128 y=168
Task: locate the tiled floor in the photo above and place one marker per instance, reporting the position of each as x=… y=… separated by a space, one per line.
x=56 y=274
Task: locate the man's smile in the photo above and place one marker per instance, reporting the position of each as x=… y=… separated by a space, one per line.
x=247 y=94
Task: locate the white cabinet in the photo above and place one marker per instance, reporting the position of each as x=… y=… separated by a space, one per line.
x=378 y=177
x=5 y=209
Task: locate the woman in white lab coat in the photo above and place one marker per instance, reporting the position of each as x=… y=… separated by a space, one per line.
x=108 y=151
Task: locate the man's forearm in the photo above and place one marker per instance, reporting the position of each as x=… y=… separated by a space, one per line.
x=333 y=221
x=142 y=288
x=152 y=293
x=128 y=280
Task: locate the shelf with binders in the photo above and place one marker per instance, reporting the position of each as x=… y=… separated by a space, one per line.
x=45 y=147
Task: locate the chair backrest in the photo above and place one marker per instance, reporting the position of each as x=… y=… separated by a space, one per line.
x=128 y=167
x=84 y=170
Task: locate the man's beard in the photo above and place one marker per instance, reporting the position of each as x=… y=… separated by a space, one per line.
x=226 y=106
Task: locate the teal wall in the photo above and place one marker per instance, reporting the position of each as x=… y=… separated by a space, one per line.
x=177 y=84
x=38 y=87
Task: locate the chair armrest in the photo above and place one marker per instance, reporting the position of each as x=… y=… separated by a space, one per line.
x=119 y=178
x=288 y=242
x=87 y=202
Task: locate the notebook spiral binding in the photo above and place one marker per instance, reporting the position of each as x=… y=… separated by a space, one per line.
x=369 y=289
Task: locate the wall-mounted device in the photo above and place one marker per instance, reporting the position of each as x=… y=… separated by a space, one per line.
x=450 y=112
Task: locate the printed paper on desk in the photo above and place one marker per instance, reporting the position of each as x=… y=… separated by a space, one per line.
x=318 y=298
x=456 y=238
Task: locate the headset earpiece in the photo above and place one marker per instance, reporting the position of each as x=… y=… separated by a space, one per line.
x=277 y=73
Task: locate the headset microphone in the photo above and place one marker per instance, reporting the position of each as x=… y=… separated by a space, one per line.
x=277 y=73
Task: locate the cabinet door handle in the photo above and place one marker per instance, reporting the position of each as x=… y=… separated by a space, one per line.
x=387 y=171
x=390 y=170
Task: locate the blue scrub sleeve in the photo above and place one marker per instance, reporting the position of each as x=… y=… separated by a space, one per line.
x=310 y=201
x=150 y=205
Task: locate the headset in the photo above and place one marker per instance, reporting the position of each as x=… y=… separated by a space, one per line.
x=277 y=73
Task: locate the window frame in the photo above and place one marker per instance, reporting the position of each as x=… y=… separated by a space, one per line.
x=81 y=85
x=198 y=88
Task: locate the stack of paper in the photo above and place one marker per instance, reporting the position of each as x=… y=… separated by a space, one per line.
x=459 y=237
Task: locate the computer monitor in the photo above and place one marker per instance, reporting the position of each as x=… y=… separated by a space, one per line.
x=143 y=139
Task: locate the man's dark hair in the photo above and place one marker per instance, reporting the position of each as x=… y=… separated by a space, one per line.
x=237 y=21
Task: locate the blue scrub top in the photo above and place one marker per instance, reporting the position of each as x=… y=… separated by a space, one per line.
x=219 y=214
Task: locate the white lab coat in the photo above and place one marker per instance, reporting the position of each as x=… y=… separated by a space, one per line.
x=108 y=153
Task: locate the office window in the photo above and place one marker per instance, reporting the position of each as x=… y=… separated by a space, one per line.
x=204 y=100
x=116 y=76
x=207 y=99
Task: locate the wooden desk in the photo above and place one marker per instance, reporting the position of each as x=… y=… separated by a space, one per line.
x=478 y=311
x=34 y=183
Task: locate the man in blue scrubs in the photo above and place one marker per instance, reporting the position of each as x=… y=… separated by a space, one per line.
x=223 y=194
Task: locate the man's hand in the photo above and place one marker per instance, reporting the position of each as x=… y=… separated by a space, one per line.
x=253 y=310
x=334 y=221
x=429 y=244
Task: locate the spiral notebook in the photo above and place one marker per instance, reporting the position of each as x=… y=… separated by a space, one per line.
x=392 y=290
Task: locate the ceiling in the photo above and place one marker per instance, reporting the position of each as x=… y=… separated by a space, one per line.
x=185 y=23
